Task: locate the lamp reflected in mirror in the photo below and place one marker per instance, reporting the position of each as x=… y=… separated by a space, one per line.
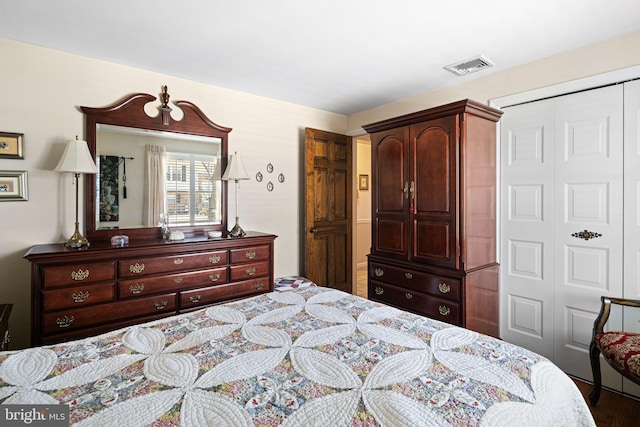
x=78 y=160
x=236 y=172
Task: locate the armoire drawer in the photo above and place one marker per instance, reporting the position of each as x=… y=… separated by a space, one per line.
x=77 y=296
x=417 y=302
x=65 y=275
x=249 y=271
x=136 y=267
x=444 y=287
x=147 y=285
x=250 y=254
x=213 y=294
x=68 y=320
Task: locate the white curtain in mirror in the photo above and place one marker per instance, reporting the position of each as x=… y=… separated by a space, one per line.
x=155 y=177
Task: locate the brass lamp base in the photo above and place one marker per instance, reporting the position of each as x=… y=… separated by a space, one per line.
x=77 y=240
x=237 y=231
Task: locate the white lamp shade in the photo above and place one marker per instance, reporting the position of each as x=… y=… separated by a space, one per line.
x=76 y=158
x=235 y=170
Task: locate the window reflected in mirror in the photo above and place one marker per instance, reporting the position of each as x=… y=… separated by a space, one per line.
x=143 y=173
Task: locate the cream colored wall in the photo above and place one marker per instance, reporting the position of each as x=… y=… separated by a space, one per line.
x=363 y=204
x=41 y=92
x=615 y=54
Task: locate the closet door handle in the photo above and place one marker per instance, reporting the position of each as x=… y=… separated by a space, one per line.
x=586 y=235
x=406 y=190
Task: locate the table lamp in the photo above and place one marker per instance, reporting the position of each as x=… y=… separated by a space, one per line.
x=77 y=159
x=236 y=172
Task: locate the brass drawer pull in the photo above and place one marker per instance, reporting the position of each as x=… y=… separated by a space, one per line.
x=65 y=322
x=214 y=277
x=408 y=275
x=80 y=296
x=80 y=275
x=178 y=261
x=250 y=254
x=408 y=295
x=444 y=287
x=214 y=259
x=178 y=280
x=444 y=310
x=194 y=298
x=136 y=268
x=137 y=288
x=379 y=290
x=378 y=272
x=250 y=271
x=160 y=304
x=259 y=286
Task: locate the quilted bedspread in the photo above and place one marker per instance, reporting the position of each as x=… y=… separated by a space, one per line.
x=310 y=356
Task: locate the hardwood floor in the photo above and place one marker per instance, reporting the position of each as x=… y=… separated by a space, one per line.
x=361 y=282
x=613 y=410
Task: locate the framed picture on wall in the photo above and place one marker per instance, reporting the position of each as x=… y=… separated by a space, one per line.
x=13 y=186
x=364 y=182
x=11 y=145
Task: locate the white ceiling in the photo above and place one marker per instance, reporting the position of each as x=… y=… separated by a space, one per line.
x=337 y=55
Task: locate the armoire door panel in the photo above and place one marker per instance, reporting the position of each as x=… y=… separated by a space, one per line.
x=433 y=242
x=434 y=165
x=391 y=173
x=392 y=236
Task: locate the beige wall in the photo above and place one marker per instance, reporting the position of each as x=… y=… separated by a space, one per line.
x=363 y=203
x=41 y=91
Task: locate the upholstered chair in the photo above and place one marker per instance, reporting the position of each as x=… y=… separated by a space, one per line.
x=621 y=350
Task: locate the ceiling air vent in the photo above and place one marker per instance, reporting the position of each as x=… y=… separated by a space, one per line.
x=470 y=65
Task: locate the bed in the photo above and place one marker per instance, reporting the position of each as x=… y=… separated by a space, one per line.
x=305 y=356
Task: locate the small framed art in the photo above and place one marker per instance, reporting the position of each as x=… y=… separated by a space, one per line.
x=11 y=145
x=364 y=182
x=13 y=186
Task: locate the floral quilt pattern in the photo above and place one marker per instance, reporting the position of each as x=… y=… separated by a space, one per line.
x=309 y=356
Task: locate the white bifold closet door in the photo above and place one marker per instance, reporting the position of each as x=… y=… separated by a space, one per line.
x=561 y=221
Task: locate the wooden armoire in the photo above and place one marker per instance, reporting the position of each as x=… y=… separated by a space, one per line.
x=433 y=184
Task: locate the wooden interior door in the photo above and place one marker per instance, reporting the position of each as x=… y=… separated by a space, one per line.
x=328 y=210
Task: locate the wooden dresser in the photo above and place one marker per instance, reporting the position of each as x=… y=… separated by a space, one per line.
x=79 y=293
x=433 y=234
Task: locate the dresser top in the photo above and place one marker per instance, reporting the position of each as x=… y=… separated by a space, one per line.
x=156 y=245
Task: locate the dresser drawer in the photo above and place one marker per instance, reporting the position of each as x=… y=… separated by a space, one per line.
x=250 y=254
x=249 y=271
x=65 y=275
x=77 y=296
x=147 y=285
x=417 y=302
x=444 y=287
x=135 y=267
x=69 y=320
x=213 y=294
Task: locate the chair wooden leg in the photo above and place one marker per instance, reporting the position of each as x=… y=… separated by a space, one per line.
x=594 y=356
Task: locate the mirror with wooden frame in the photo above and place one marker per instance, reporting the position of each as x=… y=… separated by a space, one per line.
x=152 y=166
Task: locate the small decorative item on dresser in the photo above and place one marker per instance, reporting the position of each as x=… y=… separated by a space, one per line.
x=11 y=145
x=5 y=311
x=120 y=241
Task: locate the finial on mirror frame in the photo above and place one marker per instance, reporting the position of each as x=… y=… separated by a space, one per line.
x=165 y=109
